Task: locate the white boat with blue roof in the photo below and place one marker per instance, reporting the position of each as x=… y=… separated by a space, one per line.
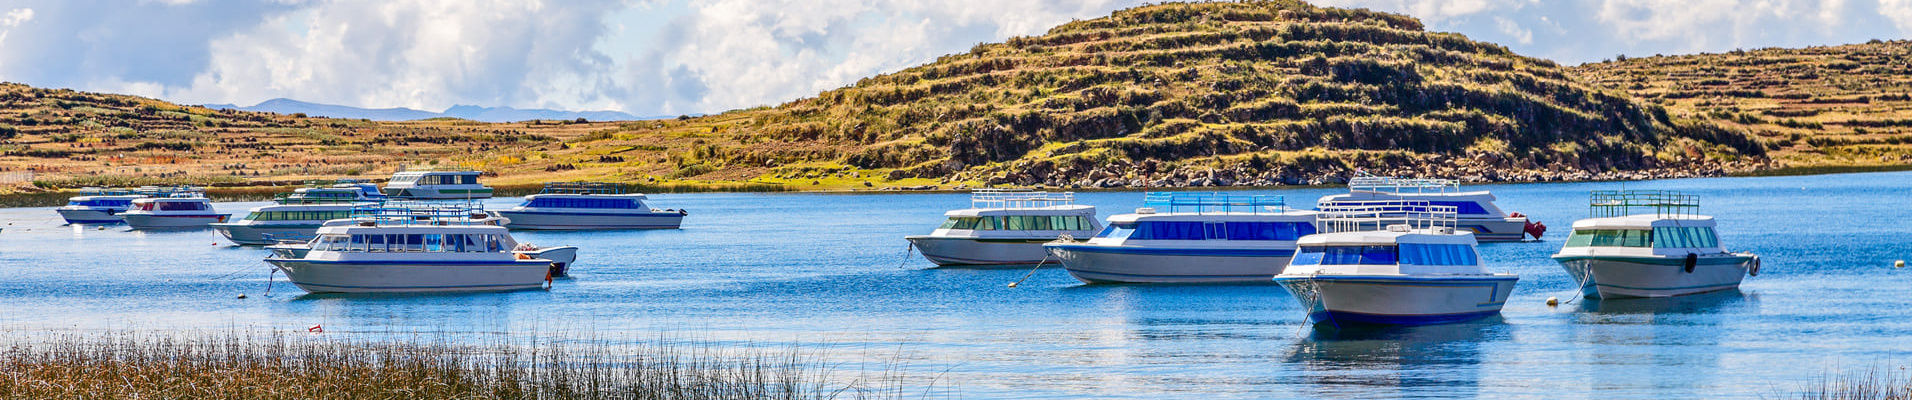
x=431 y=184
x=98 y=206
x=1415 y=269
x=1006 y=227
x=589 y=205
x=408 y=247
x=1476 y=211
x=1181 y=237
x=1665 y=250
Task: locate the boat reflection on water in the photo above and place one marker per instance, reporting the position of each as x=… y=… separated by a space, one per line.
x=1396 y=361
x=1730 y=300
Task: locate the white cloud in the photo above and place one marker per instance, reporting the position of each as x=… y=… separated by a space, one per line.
x=1900 y=12
x=1511 y=28
x=16 y=17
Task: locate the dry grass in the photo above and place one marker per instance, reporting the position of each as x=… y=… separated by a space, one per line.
x=1873 y=384
x=240 y=365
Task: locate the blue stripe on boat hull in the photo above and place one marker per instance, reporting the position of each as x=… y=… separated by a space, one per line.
x=1353 y=318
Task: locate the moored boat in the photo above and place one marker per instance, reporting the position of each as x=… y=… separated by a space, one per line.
x=1416 y=269
x=1671 y=251
x=1191 y=238
x=589 y=205
x=1005 y=227
x=98 y=206
x=185 y=209
x=271 y=224
x=1475 y=210
x=414 y=248
x=437 y=185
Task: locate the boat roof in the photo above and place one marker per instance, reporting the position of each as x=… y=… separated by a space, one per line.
x=1019 y=199
x=109 y=197
x=1212 y=203
x=1286 y=216
x=638 y=196
x=173 y=200
x=429 y=172
x=355 y=228
x=582 y=188
x=1075 y=209
x=1399 y=185
x=1389 y=237
x=1645 y=221
x=307 y=207
x=1478 y=195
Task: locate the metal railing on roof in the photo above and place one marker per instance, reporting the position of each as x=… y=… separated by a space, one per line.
x=1664 y=203
x=1201 y=203
x=582 y=188
x=1019 y=198
x=308 y=198
x=1402 y=185
x=1358 y=216
x=408 y=213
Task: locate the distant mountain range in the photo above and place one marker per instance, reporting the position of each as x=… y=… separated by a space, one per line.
x=474 y=113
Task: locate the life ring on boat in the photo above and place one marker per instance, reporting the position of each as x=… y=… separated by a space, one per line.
x=1692 y=259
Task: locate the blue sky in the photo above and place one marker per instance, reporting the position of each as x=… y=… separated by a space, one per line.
x=667 y=57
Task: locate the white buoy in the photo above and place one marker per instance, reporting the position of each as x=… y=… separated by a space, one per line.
x=242 y=295
x=1553 y=301
x=1898 y=264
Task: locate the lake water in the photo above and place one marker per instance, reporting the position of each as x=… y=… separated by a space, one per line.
x=826 y=271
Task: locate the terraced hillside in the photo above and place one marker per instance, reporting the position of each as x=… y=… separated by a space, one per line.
x=1818 y=106
x=1257 y=92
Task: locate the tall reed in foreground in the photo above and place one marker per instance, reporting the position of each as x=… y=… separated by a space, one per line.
x=280 y=365
x=1873 y=384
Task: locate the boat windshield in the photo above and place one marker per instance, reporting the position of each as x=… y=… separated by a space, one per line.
x=1346 y=255
x=1682 y=237
x=299 y=215
x=1610 y=238
x=1197 y=230
x=413 y=243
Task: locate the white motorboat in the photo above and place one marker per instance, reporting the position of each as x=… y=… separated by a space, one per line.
x=98 y=206
x=336 y=194
x=1416 y=270
x=1669 y=252
x=437 y=185
x=179 y=210
x=1006 y=227
x=1476 y=210
x=276 y=223
x=416 y=248
x=589 y=205
x=1191 y=238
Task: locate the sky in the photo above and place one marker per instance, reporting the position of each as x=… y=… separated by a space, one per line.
x=670 y=57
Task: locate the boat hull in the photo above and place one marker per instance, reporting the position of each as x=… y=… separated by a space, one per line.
x=91 y=216
x=257 y=235
x=961 y=251
x=1341 y=300
x=560 y=257
x=1494 y=229
x=150 y=221
x=413 y=276
x=534 y=220
x=1604 y=277
x=1121 y=264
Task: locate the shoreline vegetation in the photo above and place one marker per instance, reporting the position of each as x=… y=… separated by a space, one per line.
x=285 y=365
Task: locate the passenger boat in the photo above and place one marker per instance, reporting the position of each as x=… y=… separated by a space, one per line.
x=341 y=193
x=1671 y=251
x=588 y=205
x=98 y=206
x=1476 y=210
x=185 y=209
x=416 y=248
x=437 y=185
x=1006 y=227
x=1416 y=269
x=272 y=224
x=1191 y=238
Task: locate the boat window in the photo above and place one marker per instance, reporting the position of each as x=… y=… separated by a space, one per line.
x=181 y=206
x=1345 y=255
x=1116 y=231
x=492 y=245
x=1682 y=237
x=434 y=242
x=358 y=243
x=1269 y=230
x=253 y=216
x=1438 y=254
x=1170 y=230
x=468 y=179
x=472 y=243
x=375 y=243
x=1610 y=238
x=1461 y=207
x=950 y=223
x=415 y=243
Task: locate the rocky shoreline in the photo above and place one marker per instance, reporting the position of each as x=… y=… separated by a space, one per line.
x=1118 y=175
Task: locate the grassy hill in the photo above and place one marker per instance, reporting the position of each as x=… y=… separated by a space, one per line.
x=1816 y=107
x=1254 y=93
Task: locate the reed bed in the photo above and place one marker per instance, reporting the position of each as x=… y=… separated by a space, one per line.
x=1873 y=384
x=281 y=365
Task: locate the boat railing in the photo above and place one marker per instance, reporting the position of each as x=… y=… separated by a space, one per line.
x=1663 y=203
x=287 y=237
x=98 y=191
x=1391 y=184
x=307 y=198
x=1203 y=203
x=406 y=213
x=1358 y=216
x=1019 y=198
x=582 y=188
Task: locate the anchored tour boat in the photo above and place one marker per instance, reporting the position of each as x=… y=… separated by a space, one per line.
x=1005 y=227
x=1415 y=269
x=588 y=205
x=1191 y=238
x=1475 y=211
x=417 y=248
x=181 y=209
x=437 y=185
x=1669 y=252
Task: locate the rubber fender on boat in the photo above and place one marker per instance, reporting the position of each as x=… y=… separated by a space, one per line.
x=1692 y=259
x=1754 y=271
x=683 y=212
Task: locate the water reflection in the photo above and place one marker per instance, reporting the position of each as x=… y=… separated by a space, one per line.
x=1396 y=361
x=1720 y=301
x=1671 y=344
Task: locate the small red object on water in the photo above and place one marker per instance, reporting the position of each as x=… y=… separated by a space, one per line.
x=316 y=329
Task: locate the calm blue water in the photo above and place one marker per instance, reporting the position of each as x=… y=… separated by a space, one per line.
x=823 y=270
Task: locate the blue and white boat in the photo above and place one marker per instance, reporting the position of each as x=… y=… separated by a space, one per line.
x=1670 y=251
x=1416 y=270
x=589 y=205
x=1191 y=238
x=179 y=210
x=277 y=223
x=1476 y=211
x=437 y=185
x=415 y=248
x=1005 y=227
x=98 y=206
